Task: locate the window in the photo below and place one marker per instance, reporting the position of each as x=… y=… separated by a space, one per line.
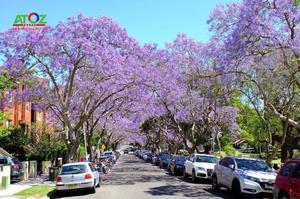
x=296 y=173
x=209 y=159
x=8 y=122
x=9 y=96
x=192 y=158
x=254 y=165
x=288 y=169
x=3 y=161
x=230 y=162
x=223 y=162
x=92 y=168
x=27 y=106
x=73 y=169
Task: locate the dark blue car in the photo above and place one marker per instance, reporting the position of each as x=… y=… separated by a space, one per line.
x=164 y=160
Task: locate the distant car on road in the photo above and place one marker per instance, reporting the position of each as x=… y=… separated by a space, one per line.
x=199 y=166
x=243 y=175
x=287 y=183
x=16 y=168
x=176 y=165
x=80 y=175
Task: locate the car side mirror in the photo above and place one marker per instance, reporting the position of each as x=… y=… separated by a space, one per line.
x=231 y=166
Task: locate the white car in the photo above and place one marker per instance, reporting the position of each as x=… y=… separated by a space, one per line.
x=243 y=175
x=79 y=175
x=199 y=166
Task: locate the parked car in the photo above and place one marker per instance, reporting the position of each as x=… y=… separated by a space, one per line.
x=143 y=153
x=148 y=156
x=164 y=160
x=16 y=168
x=79 y=175
x=176 y=165
x=199 y=166
x=156 y=158
x=243 y=175
x=109 y=154
x=287 y=183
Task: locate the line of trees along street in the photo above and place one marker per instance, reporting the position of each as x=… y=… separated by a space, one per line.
x=242 y=83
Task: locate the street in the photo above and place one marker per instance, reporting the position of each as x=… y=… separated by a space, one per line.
x=131 y=178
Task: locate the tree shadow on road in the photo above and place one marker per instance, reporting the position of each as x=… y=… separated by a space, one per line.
x=186 y=191
x=55 y=194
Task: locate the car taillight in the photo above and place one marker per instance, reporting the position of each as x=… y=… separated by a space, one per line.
x=58 y=179
x=88 y=176
x=15 y=166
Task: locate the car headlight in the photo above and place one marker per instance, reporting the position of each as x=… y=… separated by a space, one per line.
x=201 y=169
x=253 y=179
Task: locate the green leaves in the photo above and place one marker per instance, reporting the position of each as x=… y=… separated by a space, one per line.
x=296 y=2
x=6 y=81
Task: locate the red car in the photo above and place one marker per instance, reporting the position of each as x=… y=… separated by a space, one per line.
x=287 y=184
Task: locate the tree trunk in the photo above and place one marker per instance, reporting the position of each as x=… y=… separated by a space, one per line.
x=284 y=153
x=275 y=150
x=90 y=146
x=70 y=156
x=219 y=145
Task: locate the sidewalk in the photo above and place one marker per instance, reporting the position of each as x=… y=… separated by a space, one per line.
x=42 y=179
x=25 y=184
x=11 y=190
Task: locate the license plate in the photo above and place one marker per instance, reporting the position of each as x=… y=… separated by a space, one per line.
x=72 y=185
x=268 y=186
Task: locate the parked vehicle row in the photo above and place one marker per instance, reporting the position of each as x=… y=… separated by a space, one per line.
x=238 y=174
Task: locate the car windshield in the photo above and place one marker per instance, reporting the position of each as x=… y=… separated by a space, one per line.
x=107 y=153
x=208 y=159
x=180 y=159
x=73 y=169
x=256 y=165
x=166 y=156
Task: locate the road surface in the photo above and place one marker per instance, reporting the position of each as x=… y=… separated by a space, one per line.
x=132 y=178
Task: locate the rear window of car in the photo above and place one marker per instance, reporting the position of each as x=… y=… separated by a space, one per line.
x=3 y=161
x=73 y=169
x=16 y=160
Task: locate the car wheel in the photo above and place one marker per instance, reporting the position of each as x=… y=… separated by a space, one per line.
x=236 y=188
x=194 y=179
x=184 y=173
x=98 y=185
x=214 y=183
x=284 y=196
x=93 y=190
x=175 y=172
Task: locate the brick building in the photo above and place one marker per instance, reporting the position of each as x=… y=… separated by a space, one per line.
x=20 y=112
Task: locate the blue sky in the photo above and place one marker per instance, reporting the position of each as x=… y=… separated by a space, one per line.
x=149 y=21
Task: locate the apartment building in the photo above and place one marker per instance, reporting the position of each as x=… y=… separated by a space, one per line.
x=20 y=111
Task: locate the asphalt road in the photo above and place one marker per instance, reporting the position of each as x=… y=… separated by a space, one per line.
x=131 y=178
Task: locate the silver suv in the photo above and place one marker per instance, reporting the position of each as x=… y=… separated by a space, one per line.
x=243 y=175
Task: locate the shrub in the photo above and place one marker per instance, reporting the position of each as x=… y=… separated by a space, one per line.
x=15 y=142
x=229 y=150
